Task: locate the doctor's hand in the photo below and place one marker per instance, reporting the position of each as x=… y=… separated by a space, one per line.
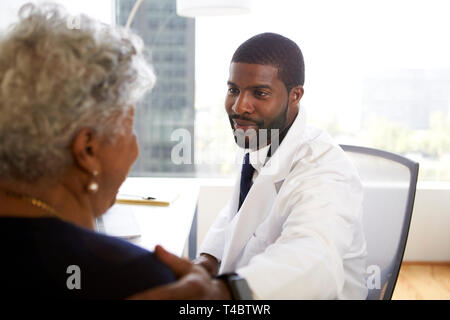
x=210 y=263
x=193 y=282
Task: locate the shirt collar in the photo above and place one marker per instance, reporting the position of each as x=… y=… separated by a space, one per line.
x=258 y=157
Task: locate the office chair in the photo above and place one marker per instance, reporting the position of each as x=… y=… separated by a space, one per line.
x=389 y=186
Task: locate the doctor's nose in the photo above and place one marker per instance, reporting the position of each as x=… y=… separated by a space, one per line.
x=243 y=105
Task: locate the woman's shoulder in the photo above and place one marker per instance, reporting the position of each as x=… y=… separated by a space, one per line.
x=65 y=234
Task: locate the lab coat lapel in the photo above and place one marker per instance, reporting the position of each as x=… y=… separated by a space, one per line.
x=255 y=208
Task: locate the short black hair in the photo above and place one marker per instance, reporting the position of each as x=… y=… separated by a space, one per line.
x=274 y=50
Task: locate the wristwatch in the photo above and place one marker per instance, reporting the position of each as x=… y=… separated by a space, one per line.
x=238 y=286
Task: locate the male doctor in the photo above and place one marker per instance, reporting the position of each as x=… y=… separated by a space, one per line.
x=293 y=227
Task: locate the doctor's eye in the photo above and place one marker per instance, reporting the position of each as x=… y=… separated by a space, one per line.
x=261 y=94
x=233 y=91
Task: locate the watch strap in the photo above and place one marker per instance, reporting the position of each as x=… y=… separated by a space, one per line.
x=231 y=279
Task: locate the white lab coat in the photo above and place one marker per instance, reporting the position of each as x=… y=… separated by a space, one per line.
x=298 y=234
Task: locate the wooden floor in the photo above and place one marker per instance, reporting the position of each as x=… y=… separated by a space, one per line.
x=423 y=281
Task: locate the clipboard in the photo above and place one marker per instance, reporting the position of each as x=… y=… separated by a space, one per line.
x=163 y=200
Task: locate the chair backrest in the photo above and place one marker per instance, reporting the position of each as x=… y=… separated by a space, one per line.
x=389 y=185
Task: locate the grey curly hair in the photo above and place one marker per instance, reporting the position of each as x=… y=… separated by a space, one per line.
x=55 y=80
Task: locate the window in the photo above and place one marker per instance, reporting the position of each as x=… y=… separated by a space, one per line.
x=377 y=74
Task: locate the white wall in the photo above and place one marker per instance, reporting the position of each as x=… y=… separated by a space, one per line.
x=98 y=9
x=214 y=195
x=429 y=235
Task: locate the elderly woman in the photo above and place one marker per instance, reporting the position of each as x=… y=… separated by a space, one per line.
x=67 y=143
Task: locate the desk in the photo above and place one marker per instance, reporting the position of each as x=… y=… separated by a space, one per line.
x=170 y=226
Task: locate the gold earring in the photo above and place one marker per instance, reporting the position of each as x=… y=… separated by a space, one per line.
x=92 y=187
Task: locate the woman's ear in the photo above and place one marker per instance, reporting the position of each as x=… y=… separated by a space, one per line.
x=296 y=94
x=85 y=150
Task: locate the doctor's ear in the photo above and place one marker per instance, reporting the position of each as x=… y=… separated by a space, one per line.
x=296 y=94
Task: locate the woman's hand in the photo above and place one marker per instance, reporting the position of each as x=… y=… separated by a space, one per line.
x=194 y=282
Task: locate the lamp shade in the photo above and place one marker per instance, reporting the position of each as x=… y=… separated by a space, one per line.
x=196 y=8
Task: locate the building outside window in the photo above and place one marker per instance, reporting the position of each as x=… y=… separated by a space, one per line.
x=170 y=105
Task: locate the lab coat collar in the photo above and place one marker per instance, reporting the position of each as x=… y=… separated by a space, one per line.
x=279 y=164
x=275 y=166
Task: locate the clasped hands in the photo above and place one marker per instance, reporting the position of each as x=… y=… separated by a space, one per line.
x=195 y=280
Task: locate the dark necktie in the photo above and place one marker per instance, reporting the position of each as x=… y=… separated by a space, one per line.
x=246 y=179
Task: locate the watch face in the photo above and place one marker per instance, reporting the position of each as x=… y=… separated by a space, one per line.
x=240 y=288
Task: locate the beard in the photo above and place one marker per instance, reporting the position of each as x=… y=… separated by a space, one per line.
x=256 y=139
